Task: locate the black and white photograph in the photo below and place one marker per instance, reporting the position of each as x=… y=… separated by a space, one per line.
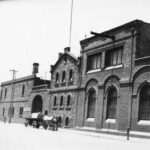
x=75 y=74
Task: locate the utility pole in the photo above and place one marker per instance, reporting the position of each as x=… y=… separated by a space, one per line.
x=12 y=95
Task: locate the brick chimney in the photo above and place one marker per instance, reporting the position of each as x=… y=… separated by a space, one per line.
x=59 y=55
x=67 y=50
x=35 y=68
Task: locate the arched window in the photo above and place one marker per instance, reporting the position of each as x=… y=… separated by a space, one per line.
x=144 y=103
x=68 y=100
x=61 y=101
x=111 y=104
x=57 y=77
x=71 y=75
x=55 y=101
x=91 y=104
x=64 y=76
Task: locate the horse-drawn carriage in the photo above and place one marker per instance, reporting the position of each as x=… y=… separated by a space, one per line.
x=38 y=119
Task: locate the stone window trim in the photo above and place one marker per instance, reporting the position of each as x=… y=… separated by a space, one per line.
x=90 y=119
x=114 y=67
x=143 y=122
x=112 y=121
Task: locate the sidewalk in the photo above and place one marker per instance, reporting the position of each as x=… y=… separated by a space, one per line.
x=113 y=133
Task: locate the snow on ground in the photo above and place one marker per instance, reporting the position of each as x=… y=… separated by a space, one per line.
x=19 y=137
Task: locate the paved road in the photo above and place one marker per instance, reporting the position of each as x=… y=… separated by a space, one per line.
x=18 y=137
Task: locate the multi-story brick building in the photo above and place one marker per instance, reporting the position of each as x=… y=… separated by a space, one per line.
x=115 y=89
x=64 y=88
x=108 y=86
x=20 y=97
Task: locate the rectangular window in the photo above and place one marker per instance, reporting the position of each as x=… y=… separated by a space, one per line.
x=21 y=112
x=1 y=94
x=113 y=57
x=94 y=61
x=3 y=111
x=23 y=89
x=5 y=92
x=13 y=109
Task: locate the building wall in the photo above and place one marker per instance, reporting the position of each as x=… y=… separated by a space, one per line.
x=105 y=79
x=64 y=63
x=18 y=100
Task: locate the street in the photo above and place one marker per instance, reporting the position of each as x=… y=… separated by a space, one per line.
x=18 y=137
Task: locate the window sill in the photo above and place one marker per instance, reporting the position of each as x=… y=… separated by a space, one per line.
x=110 y=121
x=90 y=119
x=144 y=122
x=114 y=67
x=93 y=71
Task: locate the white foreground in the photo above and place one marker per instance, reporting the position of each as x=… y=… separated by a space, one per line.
x=19 y=137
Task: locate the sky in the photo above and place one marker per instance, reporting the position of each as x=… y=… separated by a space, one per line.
x=37 y=30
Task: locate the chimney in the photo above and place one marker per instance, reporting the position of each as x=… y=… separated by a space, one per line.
x=67 y=50
x=59 y=55
x=35 y=68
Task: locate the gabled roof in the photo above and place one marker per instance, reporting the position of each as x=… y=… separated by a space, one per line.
x=71 y=56
x=132 y=24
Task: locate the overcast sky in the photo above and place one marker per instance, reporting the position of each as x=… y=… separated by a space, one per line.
x=37 y=30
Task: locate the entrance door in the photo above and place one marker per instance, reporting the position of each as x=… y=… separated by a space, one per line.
x=37 y=104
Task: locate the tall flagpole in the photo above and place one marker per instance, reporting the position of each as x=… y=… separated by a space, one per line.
x=71 y=24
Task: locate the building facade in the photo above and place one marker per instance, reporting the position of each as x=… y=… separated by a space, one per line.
x=107 y=87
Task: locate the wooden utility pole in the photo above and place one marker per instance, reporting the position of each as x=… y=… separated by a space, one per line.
x=12 y=95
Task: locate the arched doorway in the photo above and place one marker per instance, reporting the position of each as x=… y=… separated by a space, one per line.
x=37 y=104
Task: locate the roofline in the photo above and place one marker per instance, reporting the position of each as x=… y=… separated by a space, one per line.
x=127 y=25
x=69 y=54
x=19 y=80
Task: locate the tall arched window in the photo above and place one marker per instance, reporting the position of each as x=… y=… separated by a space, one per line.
x=91 y=104
x=68 y=100
x=71 y=75
x=55 y=101
x=61 y=101
x=111 y=104
x=64 y=76
x=57 y=77
x=144 y=103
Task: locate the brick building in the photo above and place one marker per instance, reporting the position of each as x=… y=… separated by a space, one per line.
x=114 y=89
x=64 y=88
x=108 y=86
x=29 y=95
